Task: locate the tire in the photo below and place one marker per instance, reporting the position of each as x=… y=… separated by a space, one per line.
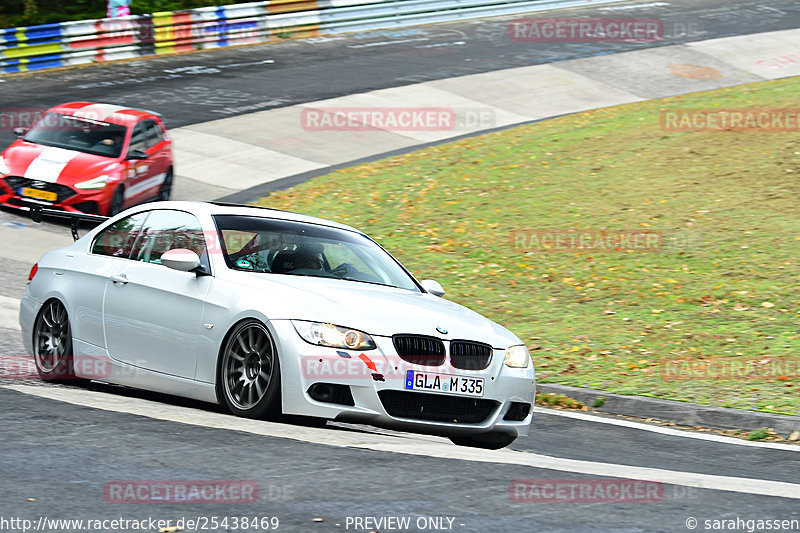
x=52 y=344
x=487 y=441
x=248 y=372
x=116 y=201
x=166 y=187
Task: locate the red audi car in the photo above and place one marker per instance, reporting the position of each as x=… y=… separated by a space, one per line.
x=88 y=157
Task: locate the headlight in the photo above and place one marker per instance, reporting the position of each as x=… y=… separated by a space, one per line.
x=334 y=336
x=4 y=167
x=517 y=357
x=95 y=183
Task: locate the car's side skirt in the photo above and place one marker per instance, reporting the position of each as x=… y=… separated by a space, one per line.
x=93 y=362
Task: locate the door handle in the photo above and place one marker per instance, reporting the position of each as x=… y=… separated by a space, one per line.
x=122 y=279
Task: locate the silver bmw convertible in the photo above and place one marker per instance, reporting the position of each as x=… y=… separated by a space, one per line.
x=267 y=312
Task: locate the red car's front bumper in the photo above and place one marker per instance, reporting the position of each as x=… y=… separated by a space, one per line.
x=96 y=202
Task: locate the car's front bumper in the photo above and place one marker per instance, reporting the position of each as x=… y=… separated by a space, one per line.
x=506 y=405
x=90 y=201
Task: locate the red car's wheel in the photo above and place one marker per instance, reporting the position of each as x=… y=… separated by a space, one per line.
x=116 y=201
x=166 y=186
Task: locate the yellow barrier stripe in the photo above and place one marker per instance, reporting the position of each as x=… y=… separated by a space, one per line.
x=24 y=50
x=290 y=6
x=293 y=6
x=163 y=50
x=163 y=29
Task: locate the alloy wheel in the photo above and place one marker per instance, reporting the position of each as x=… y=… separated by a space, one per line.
x=248 y=366
x=52 y=342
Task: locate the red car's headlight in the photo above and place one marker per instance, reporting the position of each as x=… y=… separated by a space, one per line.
x=4 y=167
x=95 y=183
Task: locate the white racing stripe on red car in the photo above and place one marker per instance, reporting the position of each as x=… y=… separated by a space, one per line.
x=49 y=164
x=143 y=185
x=97 y=111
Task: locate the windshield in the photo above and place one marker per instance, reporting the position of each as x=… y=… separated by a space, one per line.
x=266 y=245
x=77 y=133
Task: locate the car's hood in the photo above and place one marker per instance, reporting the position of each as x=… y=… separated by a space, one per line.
x=55 y=165
x=376 y=309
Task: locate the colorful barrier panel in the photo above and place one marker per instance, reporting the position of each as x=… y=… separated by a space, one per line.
x=91 y=41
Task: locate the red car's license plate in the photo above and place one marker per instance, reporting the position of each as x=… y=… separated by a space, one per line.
x=37 y=193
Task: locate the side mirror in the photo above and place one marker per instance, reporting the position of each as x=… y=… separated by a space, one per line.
x=180 y=259
x=19 y=132
x=433 y=287
x=137 y=154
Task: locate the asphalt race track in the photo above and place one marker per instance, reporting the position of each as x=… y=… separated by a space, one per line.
x=204 y=86
x=63 y=446
x=63 y=454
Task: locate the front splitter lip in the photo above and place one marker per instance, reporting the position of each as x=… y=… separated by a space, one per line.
x=67 y=205
x=441 y=429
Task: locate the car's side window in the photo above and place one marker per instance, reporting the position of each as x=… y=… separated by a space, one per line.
x=139 y=137
x=154 y=134
x=167 y=229
x=117 y=240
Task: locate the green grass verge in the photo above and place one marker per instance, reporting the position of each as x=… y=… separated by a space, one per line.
x=723 y=290
x=551 y=399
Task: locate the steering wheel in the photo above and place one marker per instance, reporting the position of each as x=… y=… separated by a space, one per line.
x=344 y=269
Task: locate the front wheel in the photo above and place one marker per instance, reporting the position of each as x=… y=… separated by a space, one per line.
x=487 y=441
x=52 y=343
x=117 y=201
x=166 y=186
x=248 y=374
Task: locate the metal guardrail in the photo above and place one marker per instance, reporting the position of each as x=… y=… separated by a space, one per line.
x=89 y=41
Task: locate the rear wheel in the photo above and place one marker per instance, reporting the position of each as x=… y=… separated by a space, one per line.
x=116 y=201
x=487 y=441
x=248 y=374
x=52 y=343
x=166 y=186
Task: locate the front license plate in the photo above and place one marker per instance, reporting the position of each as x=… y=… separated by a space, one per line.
x=428 y=381
x=37 y=193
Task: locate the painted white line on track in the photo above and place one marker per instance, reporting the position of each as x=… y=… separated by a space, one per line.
x=439 y=448
x=635 y=6
x=9 y=313
x=666 y=430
